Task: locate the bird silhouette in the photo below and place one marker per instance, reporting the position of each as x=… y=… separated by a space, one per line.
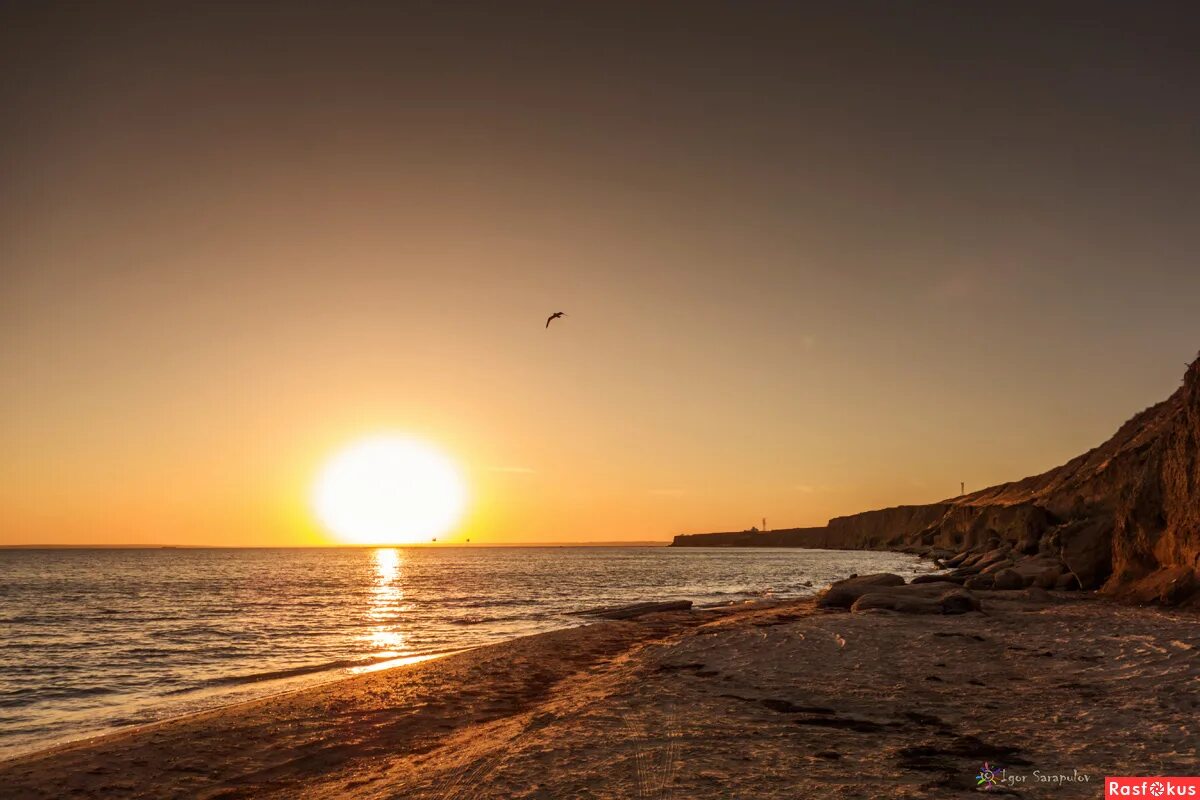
x=553 y=317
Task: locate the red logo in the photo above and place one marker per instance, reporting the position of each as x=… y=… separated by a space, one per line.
x=1163 y=786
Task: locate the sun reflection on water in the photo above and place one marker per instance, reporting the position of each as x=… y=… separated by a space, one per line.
x=387 y=602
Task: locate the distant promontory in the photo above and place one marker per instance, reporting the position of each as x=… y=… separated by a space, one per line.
x=1123 y=518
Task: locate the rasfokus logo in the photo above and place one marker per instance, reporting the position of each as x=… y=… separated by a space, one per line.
x=1152 y=787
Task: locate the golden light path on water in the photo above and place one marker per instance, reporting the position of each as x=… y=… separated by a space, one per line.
x=385 y=611
x=387 y=602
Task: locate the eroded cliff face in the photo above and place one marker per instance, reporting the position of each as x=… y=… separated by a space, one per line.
x=1123 y=518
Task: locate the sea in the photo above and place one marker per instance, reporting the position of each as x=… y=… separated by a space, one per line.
x=92 y=641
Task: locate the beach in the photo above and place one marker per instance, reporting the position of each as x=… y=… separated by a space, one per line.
x=599 y=401
x=758 y=700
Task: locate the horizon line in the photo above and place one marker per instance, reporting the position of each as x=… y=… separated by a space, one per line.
x=598 y=543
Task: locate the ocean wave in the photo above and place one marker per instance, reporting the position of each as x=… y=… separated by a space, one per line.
x=16 y=698
x=279 y=674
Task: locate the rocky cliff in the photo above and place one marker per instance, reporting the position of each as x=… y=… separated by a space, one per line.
x=1123 y=518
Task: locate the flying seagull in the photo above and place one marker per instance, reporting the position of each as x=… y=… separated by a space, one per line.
x=553 y=317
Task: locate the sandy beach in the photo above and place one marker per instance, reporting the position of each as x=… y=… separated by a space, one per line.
x=788 y=700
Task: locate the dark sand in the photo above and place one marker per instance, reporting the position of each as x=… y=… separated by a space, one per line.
x=779 y=702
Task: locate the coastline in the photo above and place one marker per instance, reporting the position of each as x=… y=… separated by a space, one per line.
x=778 y=699
x=164 y=678
x=320 y=677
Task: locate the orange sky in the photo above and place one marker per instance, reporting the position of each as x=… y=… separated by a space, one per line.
x=799 y=283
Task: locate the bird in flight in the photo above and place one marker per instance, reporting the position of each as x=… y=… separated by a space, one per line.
x=553 y=317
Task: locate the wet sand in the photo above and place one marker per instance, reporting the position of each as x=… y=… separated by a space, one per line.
x=769 y=702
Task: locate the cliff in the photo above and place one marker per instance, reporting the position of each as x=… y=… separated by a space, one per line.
x=1123 y=518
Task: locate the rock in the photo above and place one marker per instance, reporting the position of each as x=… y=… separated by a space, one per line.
x=842 y=594
x=992 y=557
x=1067 y=582
x=959 y=601
x=970 y=561
x=1034 y=565
x=1007 y=579
x=1030 y=569
x=938 y=554
x=1047 y=578
x=1087 y=550
x=1168 y=587
x=1036 y=594
x=903 y=604
x=929 y=588
x=997 y=566
x=635 y=610
x=932 y=578
x=915 y=600
x=979 y=582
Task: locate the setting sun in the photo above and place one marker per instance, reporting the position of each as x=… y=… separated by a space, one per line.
x=389 y=490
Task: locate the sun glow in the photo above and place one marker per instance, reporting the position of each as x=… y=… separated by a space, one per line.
x=389 y=490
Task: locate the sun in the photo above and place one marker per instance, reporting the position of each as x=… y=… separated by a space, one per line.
x=389 y=490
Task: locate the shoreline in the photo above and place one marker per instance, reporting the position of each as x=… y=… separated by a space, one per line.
x=331 y=675
x=335 y=675
x=203 y=695
x=810 y=700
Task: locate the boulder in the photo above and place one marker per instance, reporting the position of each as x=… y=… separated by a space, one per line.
x=843 y=593
x=955 y=561
x=979 y=582
x=1168 y=587
x=992 y=557
x=930 y=588
x=933 y=578
x=997 y=566
x=1031 y=569
x=1008 y=579
x=635 y=610
x=1067 y=582
x=1048 y=577
x=905 y=600
x=1036 y=594
x=959 y=601
x=1087 y=550
x=901 y=603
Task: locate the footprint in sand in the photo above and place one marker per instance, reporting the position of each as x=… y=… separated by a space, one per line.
x=463 y=781
x=656 y=754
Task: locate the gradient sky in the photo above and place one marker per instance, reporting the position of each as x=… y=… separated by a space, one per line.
x=814 y=261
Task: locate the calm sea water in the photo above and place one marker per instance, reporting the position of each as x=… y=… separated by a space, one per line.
x=94 y=640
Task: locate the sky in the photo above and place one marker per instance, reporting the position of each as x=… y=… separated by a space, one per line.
x=815 y=258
